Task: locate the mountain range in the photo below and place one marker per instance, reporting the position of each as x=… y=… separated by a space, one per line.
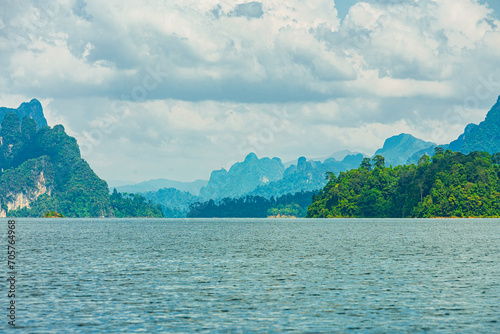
x=42 y=170
x=154 y=185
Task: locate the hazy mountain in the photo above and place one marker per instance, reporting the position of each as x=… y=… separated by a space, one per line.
x=482 y=137
x=398 y=149
x=306 y=175
x=32 y=109
x=174 y=203
x=426 y=151
x=243 y=177
x=157 y=184
x=339 y=156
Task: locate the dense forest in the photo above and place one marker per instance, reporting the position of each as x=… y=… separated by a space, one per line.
x=253 y=207
x=450 y=184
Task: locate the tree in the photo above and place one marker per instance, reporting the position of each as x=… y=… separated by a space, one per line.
x=495 y=158
x=329 y=176
x=438 y=150
x=424 y=159
x=378 y=161
x=365 y=164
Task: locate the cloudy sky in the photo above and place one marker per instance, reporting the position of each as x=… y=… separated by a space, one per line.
x=175 y=89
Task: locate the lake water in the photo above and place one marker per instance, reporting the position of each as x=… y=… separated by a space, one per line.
x=256 y=275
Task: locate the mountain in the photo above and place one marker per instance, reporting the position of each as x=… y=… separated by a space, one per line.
x=338 y=156
x=306 y=176
x=242 y=177
x=398 y=149
x=157 y=184
x=426 y=151
x=41 y=170
x=268 y=177
x=32 y=109
x=253 y=178
x=482 y=137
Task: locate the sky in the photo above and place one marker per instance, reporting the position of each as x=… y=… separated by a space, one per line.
x=175 y=89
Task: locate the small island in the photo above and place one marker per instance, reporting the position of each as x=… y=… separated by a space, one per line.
x=53 y=214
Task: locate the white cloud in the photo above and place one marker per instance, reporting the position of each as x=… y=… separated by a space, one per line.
x=229 y=68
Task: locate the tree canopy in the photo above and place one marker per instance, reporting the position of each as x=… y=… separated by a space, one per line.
x=450 y=184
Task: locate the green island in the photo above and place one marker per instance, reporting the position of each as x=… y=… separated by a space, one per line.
x=450 y=184
x=53 y=214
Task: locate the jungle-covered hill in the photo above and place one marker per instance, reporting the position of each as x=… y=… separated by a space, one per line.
x=450 y=184
x=41 y=170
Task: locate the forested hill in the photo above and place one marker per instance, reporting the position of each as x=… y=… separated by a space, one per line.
x=450 y=185
x=41 y=170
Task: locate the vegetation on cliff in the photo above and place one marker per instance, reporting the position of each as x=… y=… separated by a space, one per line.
x=450 y=184
x=42 y=171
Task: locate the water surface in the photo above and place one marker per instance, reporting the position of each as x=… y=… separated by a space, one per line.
x=257 y=275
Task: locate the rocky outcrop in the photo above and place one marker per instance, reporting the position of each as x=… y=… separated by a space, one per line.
x=24 y=199
x=21 y=186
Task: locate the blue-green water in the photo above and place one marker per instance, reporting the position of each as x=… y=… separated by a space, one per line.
x=248 y=275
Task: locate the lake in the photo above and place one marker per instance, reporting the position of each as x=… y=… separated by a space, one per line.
x=256 y=275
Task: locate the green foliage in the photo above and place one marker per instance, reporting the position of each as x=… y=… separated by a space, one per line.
x=378 y=161
x=451 y=185
x=53 y=214
x=366 y=164
x=253 y=206
x=133 y=205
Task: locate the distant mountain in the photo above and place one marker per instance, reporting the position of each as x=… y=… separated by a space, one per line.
x=306 y=176
x=157 y=184
x=482 y=137
x=32 y=109
x=426 y=151
x=267 y=177
x=42 y=170
x=398 y=149
x=243 y=177
x=339 y=156
x=254 y=177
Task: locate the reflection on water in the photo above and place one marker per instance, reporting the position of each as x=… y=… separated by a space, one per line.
x=258 y=275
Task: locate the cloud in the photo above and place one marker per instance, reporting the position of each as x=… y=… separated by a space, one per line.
x=200 y=82
x=250 y=10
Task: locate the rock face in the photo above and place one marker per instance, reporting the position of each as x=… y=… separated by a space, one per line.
x=398 y=149
x=32 y=109
x=243 y=177
x=29 y=192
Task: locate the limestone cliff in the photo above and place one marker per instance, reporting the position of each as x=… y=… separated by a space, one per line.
x=23 y=199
